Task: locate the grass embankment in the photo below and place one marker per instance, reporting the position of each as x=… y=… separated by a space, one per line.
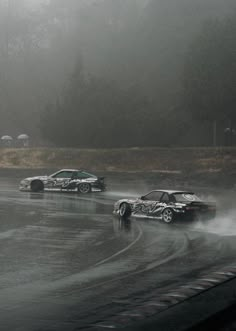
x=179 y=160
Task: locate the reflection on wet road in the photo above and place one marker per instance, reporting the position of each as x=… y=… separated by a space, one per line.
x=67 y=262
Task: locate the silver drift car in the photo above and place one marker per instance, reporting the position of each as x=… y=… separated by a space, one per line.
x=64 y=180
x=167 y=205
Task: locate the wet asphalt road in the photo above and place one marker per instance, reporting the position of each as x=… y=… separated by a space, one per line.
x=67 y=263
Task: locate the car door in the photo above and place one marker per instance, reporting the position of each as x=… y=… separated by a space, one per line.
x=61 y=179
x=166 y=200
x=148 y=204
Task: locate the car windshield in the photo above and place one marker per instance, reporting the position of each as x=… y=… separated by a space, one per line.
x=186 y=197
x=153 y=196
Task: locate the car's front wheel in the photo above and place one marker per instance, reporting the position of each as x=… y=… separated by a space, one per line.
x=84 y=188
x=168 y=215
x=37 y=186
x=125 y=210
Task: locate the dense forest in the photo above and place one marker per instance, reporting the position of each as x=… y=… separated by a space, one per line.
x=116 y=73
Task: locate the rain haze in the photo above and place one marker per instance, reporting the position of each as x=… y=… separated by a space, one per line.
x=117 y=164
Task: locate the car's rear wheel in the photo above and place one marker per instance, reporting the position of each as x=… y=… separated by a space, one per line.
x=124 y=210
x=37 y=186
x=168 y=215
x=84 y=188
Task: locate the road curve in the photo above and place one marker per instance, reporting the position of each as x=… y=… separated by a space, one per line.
x=68 y=263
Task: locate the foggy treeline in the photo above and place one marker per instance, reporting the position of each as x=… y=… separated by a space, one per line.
x=114 y=73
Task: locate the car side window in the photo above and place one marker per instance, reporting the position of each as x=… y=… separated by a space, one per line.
x=74 y=175
x=82 y=175
x=172 y=198
x=165 y=198
x=63 y=174
x=153 y=196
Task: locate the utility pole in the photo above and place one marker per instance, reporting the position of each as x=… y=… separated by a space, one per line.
x=214 y=133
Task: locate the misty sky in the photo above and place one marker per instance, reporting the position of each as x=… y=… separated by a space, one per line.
x=139 y=49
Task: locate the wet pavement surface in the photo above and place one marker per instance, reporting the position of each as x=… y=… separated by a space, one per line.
x=67 y=263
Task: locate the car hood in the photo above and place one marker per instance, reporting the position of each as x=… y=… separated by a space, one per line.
x=37 y=177
x=126 y=200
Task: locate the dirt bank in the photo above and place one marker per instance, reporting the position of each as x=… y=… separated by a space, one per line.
x=130 y=159
x=212 y=165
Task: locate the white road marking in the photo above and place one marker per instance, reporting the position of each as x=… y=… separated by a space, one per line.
x=124 y=249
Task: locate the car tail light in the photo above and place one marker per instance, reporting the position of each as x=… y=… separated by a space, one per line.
x=191 y=208
x=211 y=207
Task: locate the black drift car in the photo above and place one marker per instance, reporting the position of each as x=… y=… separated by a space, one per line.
x=167 y=205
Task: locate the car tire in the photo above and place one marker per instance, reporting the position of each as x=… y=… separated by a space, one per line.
x=84 y=188
x=124 y=210
x=37 y=186
x=168 y=215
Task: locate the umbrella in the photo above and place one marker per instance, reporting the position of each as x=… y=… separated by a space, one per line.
x=6 y=138
x=23 y=136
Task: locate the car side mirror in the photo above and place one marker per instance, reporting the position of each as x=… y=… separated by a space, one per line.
x=142 y=197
